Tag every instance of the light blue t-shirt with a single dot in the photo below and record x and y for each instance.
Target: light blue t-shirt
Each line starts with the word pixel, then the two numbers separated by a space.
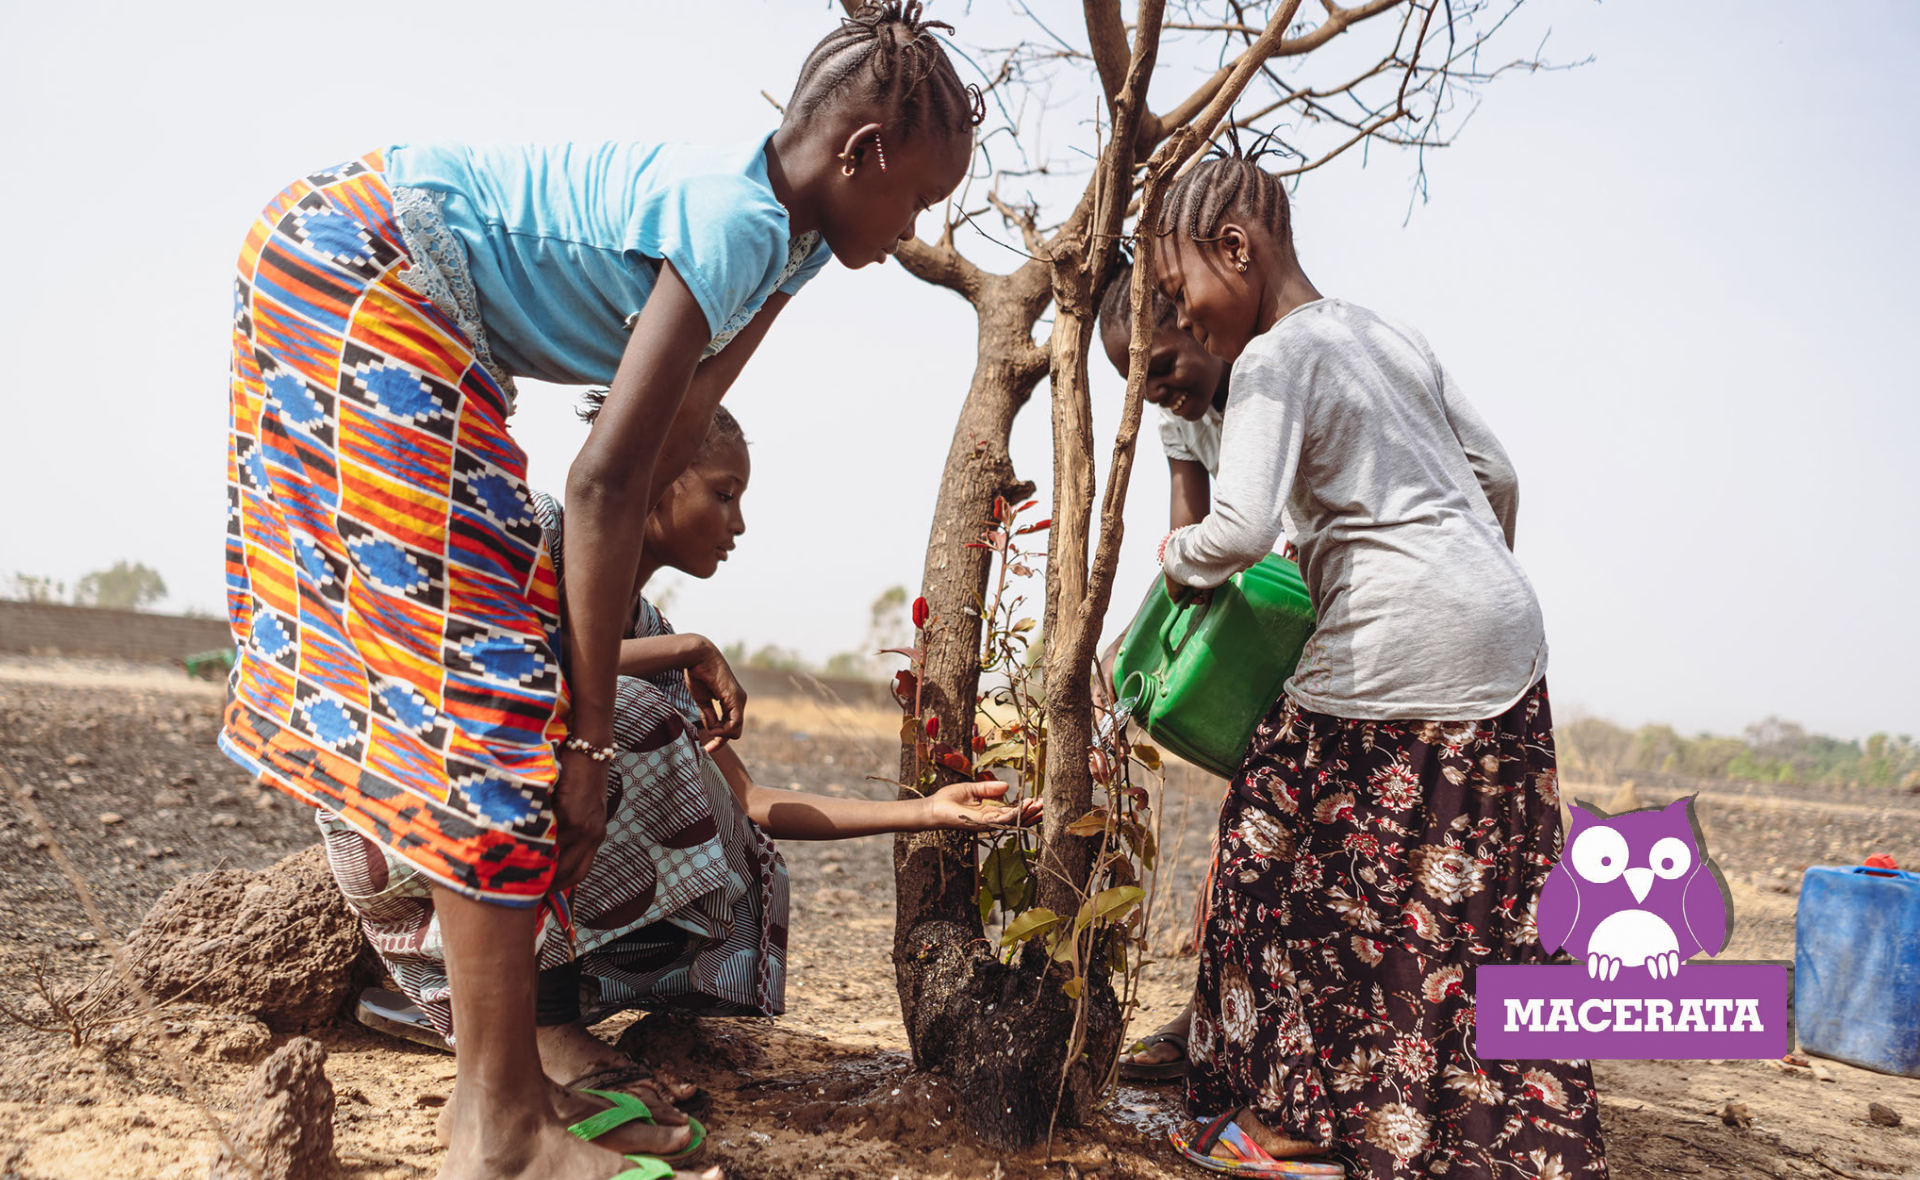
pixel 563 241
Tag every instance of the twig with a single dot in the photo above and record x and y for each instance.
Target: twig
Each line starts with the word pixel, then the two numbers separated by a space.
pixel 183 1077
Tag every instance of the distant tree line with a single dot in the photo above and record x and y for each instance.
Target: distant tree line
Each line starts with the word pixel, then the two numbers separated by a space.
pixel 126 586
pixel 1774 751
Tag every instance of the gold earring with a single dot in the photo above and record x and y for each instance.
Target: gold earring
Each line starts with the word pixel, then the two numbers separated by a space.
pixel 1240 264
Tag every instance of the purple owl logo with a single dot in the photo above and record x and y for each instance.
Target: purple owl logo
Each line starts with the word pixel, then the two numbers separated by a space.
pixel 1635 890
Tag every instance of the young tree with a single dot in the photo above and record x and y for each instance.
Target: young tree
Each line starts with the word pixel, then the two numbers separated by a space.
pixel 124 587
pixel 1024 1054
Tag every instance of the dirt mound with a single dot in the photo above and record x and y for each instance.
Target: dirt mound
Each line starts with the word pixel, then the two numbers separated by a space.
pixel 279 945
pixel 285 1125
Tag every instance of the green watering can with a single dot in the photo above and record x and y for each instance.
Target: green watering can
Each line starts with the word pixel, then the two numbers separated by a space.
pixel 1201 671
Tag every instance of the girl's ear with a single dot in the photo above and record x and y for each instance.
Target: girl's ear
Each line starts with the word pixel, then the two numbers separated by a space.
pixel 852 153
pixel 1235 244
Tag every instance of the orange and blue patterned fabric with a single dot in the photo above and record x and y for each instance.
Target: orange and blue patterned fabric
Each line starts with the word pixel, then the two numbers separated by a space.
pixel 394 606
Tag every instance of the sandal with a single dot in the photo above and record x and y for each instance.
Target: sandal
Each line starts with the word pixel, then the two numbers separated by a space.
pixel 394 1014
pixel 1222 1146
pixel 624 1109
pixel 615 1076
pixel 645 1167
pixel 1159 1071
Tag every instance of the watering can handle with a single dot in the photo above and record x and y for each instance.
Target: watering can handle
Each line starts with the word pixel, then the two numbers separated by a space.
pixel 1184 602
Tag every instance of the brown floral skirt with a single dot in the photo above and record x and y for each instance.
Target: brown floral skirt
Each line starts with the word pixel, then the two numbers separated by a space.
pixel 1364 870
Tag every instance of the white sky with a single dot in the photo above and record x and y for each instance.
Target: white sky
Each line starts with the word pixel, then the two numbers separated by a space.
pixel 1675 282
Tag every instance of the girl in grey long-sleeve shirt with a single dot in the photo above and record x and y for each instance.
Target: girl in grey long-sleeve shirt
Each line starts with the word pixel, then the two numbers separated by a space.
pixel 1397 812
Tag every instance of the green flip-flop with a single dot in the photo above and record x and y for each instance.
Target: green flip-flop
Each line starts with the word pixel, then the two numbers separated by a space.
pixel 626 1109
pixel 645 1167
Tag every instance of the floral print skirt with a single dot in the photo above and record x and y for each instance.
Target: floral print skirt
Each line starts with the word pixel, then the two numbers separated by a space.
pixel 1364 870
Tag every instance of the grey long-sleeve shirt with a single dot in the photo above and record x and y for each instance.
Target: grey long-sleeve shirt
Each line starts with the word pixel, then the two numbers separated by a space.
pixel 1343 430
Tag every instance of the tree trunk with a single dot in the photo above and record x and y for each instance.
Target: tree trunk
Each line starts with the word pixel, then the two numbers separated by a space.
pixel 967 1014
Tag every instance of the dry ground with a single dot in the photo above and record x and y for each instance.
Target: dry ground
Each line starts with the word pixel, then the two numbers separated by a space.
pixel 122 760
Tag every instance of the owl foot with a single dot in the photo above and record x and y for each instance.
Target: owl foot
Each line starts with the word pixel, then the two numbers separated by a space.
pixel 1604 967
pixel 1664 966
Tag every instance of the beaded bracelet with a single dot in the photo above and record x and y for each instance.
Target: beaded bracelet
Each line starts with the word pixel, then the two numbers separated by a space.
pixel 583 746
pixel 1160 554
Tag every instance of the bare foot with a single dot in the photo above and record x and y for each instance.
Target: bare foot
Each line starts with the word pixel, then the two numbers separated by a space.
pixel 570 1053
pixel 1272 1142
pixel 1164 1052
pixel 532 1148
pixel 571 1106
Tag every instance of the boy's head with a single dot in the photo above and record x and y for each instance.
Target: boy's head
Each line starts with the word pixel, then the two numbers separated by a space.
pixel 693 527
pixel 882 97
pixel 1226 242
pixel 1182 378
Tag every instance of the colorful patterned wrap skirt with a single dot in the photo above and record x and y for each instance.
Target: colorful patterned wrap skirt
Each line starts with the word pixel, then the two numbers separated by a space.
pixel 395 609
pixel 1365 869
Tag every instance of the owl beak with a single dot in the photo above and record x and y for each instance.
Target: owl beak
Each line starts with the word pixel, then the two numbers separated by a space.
pixel 1640 881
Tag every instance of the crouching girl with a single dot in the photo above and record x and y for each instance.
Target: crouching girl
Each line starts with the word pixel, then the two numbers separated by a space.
pixel 685 905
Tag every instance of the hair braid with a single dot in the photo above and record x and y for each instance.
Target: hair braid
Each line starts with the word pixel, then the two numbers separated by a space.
pixel 1116 306
pixel 1228 186
pixel 885 54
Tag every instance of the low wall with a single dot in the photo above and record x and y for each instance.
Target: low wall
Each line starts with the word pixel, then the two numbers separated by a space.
pixel 33 628
pixel 41 629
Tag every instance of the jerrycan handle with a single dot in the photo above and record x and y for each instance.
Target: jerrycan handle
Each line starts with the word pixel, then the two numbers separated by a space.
pixel 1183 603
pixel 1896 874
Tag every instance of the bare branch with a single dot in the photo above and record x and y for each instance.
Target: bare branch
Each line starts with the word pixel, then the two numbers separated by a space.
pixel 1107 36
pixel 942 265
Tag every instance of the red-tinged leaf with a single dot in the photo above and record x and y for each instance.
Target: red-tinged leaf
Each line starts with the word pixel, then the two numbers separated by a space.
pixel 1027 505
pixel 916 654
pixel 933 727
pixel 1019 570
pixel 957 762
pixel 978 545
pixel 919 613
pixel 979 743
pixel 905 685
pixel 1035 527
pixel 999 507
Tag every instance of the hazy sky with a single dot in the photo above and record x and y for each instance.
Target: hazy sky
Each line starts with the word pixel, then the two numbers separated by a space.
pixel 1675 281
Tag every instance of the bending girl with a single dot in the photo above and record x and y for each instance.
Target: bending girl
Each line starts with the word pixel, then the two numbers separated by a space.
pixel 394 602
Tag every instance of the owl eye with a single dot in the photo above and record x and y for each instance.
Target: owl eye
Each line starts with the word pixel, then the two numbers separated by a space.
pixel 1671 858
pixel 1600 855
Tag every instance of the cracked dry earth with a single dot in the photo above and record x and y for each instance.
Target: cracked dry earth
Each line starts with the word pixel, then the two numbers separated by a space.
pixel 121 760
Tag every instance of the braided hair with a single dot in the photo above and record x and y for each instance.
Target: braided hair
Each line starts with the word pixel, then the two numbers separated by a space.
pixel 725 428
pixel 1226 187
pixel 1116 306
pixel 885 54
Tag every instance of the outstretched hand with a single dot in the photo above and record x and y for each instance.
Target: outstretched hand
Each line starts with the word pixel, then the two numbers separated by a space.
pixel 971 806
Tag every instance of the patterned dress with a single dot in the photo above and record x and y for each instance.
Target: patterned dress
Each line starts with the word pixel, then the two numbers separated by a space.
pixel 685 906
pixel 1365 869
pixel 395 612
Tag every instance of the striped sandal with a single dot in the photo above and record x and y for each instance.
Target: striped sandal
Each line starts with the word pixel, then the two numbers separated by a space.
pixel 1222 1146
pixel 626 1109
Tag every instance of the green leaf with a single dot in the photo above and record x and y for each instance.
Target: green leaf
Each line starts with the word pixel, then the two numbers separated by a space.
pixel 1034 921
pixel 1148 756
pixel 1074 986
pixel 1004 874
pixel 1024 625
pixel 984 899
pixel 1109 905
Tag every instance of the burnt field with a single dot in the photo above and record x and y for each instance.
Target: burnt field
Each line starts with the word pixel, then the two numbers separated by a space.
pixel 122 762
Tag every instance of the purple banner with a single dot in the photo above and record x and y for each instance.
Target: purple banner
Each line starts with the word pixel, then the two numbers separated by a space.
pixel 1704 1011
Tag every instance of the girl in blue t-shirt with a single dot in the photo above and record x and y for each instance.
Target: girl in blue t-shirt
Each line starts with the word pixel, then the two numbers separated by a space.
pixel 399 622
